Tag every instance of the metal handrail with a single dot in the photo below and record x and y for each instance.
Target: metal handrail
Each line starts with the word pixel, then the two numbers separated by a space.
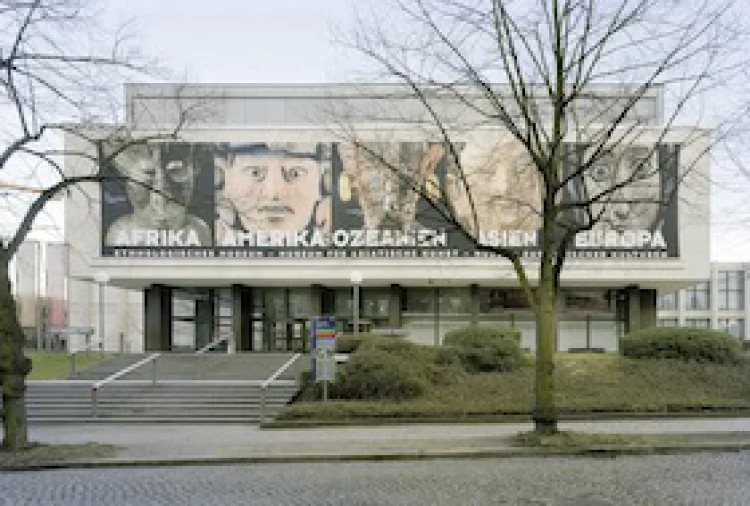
pixel 212 345
pixel 264 386
pixel 72 354
pixel 99 384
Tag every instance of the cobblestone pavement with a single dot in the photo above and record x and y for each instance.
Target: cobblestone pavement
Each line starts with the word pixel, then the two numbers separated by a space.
pixel 710 479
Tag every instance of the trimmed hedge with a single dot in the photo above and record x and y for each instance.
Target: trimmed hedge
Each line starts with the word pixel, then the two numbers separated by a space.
pixel 486 348
pixel 395 369
pixel 377 374
pixel 479 335
pixel 688 344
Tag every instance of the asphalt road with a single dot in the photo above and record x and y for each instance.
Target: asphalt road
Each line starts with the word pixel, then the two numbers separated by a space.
pixel 711 479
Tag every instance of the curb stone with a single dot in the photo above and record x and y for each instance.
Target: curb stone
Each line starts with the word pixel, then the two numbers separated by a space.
pixel 516 452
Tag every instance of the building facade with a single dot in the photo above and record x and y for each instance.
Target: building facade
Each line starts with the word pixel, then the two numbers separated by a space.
pixel 718 302
pixel 39 274
pixel 284 218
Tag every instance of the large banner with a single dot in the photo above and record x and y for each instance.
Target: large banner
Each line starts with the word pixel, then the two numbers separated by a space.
pixel 336 200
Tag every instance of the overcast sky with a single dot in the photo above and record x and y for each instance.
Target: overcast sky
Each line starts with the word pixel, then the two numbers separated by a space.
pixel 242 40
pixel 280 41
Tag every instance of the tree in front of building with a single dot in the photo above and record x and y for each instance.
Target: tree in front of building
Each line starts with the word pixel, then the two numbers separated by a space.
pixel 58 67
pixel 563 97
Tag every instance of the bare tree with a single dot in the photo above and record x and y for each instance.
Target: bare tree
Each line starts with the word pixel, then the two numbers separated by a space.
pixel 60 74
pixel 572 88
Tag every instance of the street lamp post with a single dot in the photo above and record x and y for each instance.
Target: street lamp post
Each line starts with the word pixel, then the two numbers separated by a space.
pixel 356 279
pixel 101 278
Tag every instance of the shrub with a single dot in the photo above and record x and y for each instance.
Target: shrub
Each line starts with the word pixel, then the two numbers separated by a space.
pixel 486 348
pixel 395 345
pixel 689 344
pixel 372 373
pixel 479 335
pixel 349 343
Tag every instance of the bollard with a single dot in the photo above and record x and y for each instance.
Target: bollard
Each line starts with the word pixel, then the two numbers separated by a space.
pixel 262 404
pixel 94 403
pixel 153 371
pixel 72 363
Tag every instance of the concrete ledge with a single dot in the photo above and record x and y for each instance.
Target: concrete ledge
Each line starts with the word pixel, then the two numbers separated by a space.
pixel 510 418
pixel 416 454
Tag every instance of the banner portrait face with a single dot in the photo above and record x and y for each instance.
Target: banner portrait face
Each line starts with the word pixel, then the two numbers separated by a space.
pixel 157 188
pixel 633 206
pixel 272 187
pixel 380 175
pixel 497 183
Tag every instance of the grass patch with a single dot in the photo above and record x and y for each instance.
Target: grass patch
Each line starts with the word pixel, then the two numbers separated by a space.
pixel 586 384
pixel 580 440
pixel 38 454
pixel 49 365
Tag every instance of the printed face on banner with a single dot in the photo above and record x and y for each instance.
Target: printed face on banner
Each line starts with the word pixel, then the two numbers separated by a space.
pixel 497 189
pixel 159 182
pixel 272 187
pixel 380 175
pixel 634 206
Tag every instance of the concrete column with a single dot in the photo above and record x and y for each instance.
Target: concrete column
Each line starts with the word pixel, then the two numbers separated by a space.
pixel 240 336
pixel 204 320
pixel 157 318
pixel 316 300
pixel 328 302
pixel 632 309
pixel 713 292
pixel 474 304
pixel 394 307
pixel 648 308
pixel 436 313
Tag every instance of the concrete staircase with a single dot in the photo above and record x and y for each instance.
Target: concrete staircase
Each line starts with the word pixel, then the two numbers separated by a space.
pixel 212 389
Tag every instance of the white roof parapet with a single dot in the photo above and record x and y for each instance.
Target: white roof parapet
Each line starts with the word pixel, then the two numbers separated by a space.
pixel 243 105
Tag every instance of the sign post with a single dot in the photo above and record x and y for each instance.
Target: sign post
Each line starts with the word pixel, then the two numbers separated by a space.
pixel 323 330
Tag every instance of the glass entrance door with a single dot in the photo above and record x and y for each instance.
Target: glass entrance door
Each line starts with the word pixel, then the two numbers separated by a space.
pixel 280 319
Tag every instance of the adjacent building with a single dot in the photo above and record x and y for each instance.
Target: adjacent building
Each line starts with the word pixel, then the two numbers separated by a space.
pixel 286 218
pixel 717 302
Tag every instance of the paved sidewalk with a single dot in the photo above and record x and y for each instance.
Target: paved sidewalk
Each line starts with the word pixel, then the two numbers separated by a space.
pixel 226 443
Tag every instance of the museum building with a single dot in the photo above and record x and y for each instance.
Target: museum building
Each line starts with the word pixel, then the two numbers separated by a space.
pixel 286 220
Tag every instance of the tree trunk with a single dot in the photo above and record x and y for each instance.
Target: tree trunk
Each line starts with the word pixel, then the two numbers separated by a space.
pixel 14 367
pixel 545 412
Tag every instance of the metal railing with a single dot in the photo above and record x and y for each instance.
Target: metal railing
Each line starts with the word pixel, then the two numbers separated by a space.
pixel 264 386
pixel 86 349
pixel 212 345
pixel 99 384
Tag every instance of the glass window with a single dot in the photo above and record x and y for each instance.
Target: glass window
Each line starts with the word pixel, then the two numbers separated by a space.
pixel 734 326
pixel 731 290
pixel 700 323
pixel 300 303
pixel 419 300
pixel 590 301
pixel 667 301
pixel 698 296
pixel 455 300
pixel 667 322
pixel 343 303
pixel 497 299
pixel 275 300
pixel 375 303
